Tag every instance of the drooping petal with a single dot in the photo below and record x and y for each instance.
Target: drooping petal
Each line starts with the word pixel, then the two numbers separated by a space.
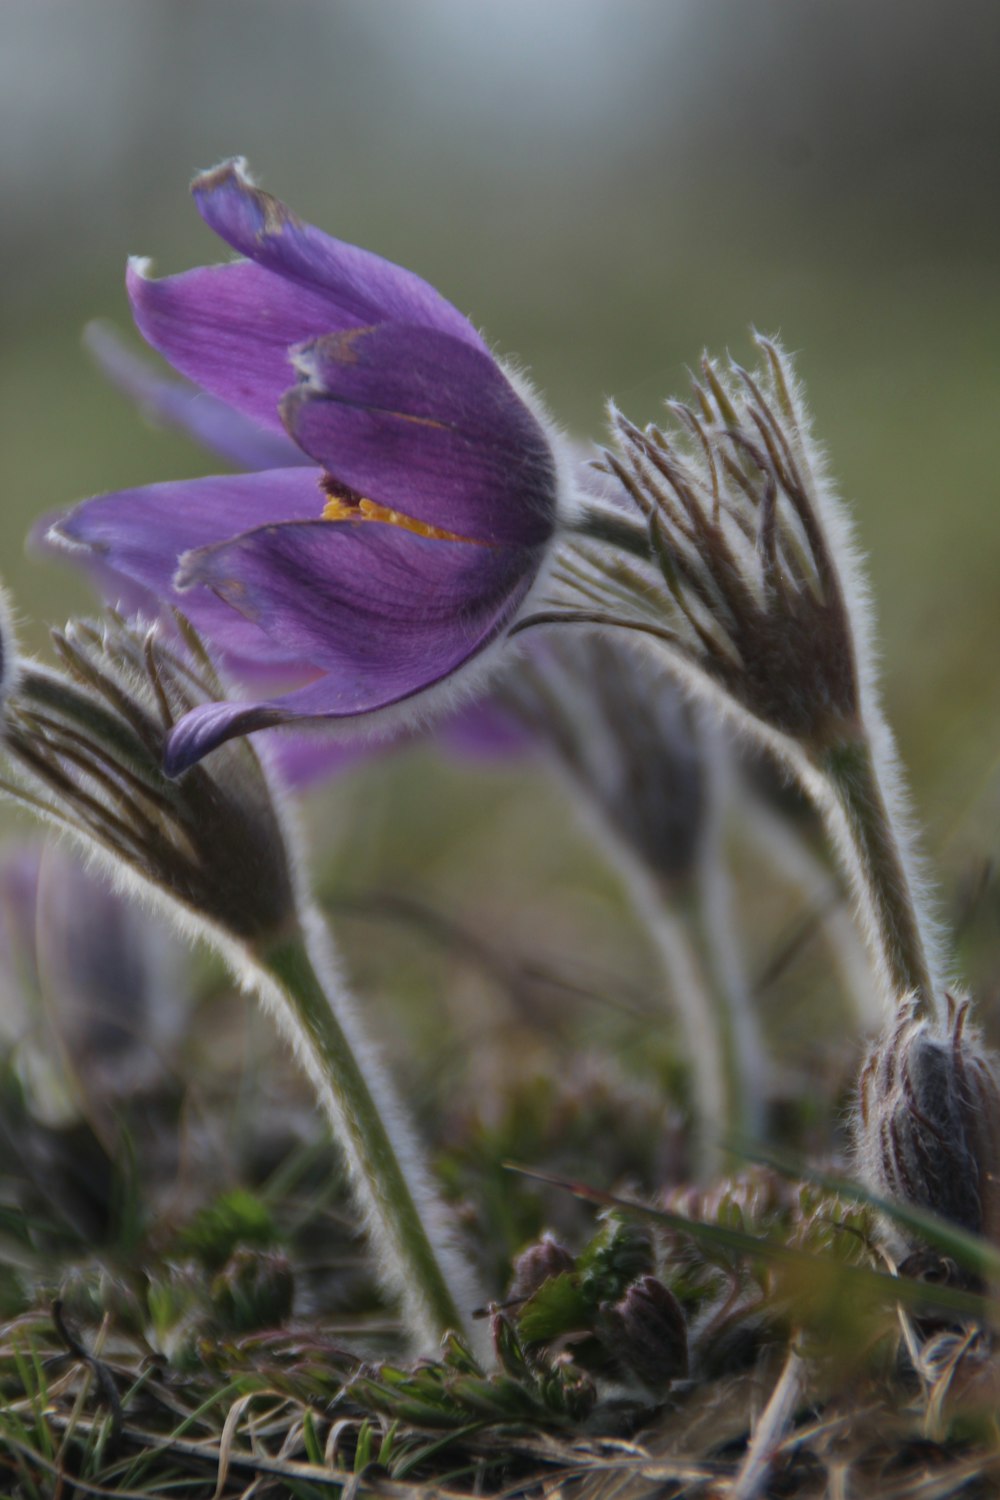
pixel 374 605
pixel 362 286
pixel 304 757
pixel 229 328
pixel 176 403
pixel 138 535
pixel 420 423
pixel 384 612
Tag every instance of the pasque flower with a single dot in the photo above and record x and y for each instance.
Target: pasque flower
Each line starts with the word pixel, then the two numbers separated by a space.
pixel 414 484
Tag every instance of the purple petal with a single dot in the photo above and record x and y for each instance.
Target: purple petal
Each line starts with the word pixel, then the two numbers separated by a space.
pixel 303 759
pixel 367 602
pixel 486 731
pixel 229 328
pixel 384 612
pixel 138 535
pixel 421 423
pixel 175 403
pixel 45 540
pixel 364 287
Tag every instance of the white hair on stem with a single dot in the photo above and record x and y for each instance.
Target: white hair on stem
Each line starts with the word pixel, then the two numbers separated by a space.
pixel 222 857
pixel 687 913
pixel 754 592
pixel 255 980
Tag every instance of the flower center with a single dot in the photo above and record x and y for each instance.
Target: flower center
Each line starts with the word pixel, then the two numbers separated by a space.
pixel 345 504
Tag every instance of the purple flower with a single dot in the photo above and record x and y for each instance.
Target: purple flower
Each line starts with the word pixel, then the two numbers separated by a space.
pixel 102 974
pixel 414 488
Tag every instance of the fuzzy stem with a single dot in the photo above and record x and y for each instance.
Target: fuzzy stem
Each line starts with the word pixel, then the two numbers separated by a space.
pixel 711 920
pixel 688 992
pixel 726 1063
pixel 890 905
pixel 392 1188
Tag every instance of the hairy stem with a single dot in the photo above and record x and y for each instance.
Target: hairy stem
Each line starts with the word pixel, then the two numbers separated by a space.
pixel 403 1218
pixel 687 993
pixel 707 906
pixel 898 929
pixel 726 1062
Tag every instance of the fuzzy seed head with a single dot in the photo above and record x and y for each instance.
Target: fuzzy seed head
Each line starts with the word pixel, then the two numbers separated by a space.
pixel 743 577
pixel 87 745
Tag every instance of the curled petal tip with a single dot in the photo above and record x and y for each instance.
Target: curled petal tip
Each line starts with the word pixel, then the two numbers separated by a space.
pixel 186 575
pixel 205 728
pixel 183 748
pixel 234 206
pixel 303 359
pixel 56 535
pixel 233 169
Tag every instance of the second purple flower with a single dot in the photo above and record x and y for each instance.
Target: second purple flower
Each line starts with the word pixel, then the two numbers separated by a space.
pixel 412 492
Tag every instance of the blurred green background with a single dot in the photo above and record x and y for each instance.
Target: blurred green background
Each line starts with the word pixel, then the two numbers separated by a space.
pixel 607 187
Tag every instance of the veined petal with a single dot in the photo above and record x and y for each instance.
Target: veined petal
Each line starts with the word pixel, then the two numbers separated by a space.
pixel 363 286
pixel 175 403
pixel 139 534
pixel 229 328
pixel 384 612
pixel 419 422
pixel 372 605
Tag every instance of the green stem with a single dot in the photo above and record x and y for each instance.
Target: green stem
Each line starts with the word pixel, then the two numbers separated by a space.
pixel 673 915
pixel 741 1054
pixel 706 908
pixel 889 899
pixel 382 1179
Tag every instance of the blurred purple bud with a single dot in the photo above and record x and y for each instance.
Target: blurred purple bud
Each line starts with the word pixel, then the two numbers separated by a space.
pixel 171 402
pixel 99 973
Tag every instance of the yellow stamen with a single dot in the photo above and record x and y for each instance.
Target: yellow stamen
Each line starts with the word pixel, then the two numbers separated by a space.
pixel 338 508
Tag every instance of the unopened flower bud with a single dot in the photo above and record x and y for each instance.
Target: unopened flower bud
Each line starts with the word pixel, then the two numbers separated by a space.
pixel 537 1263
pixel 648 1334
pixel 928 1126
